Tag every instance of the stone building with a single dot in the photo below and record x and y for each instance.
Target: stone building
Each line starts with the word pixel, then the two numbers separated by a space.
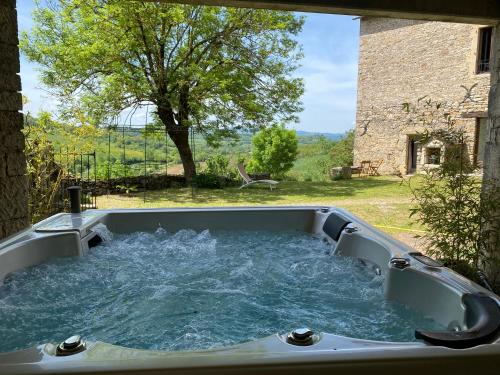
pixel 402 61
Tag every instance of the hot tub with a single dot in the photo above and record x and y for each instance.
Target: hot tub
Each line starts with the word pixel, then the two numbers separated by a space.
pixel 468 340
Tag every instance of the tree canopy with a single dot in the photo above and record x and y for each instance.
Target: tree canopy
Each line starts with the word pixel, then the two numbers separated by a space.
pixel 274 150
pixel 221 70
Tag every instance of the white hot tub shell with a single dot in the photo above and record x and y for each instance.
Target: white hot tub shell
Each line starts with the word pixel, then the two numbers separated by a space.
pixel 472 314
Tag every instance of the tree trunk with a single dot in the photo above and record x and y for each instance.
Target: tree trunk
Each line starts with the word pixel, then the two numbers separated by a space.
pixel 180 136
pixel 181 141
pixel 491 178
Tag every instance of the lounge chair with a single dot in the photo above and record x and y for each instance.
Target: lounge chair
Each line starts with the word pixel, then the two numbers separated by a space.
pixel 247 180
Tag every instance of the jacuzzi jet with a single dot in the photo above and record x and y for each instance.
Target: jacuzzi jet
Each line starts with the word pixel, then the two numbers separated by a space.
pixel 95 241
pixel 350 229
pixel 70 346
pixel 301 337
pixel 400 263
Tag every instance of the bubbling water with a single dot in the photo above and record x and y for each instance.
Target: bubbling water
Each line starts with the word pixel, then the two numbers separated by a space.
pixel 102 231
pixel 189 290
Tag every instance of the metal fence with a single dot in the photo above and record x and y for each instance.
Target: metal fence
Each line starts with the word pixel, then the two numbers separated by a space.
pixel 123 152
pixel 76 169
pixel 134 151
pixel 131 159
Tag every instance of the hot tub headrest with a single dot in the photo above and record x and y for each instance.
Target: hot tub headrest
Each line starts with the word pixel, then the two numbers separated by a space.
pixel 334 225
pixel 482 316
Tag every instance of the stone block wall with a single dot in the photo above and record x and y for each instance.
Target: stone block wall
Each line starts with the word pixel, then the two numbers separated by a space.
pixel 13 183
pixel 402 61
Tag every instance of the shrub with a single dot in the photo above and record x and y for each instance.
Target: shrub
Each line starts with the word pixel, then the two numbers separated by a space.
pixel 274 151
pixel 208 181
pixel 44 174
pixel 342 152
pixel 217 169
pixel 218 165
pixel 451 205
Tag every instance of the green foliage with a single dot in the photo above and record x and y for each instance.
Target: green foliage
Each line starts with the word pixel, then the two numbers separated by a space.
pixel 117 170
pixel 316 159
pixel 274 151
pixel 44 175
pixel 342 151
pixel 222 70
pixel 454 211
pixel 218 165
pixel 126 151
pixel 449 200
pixel 313 161
pixel 208 181
pixel 218 173
pixel 449 207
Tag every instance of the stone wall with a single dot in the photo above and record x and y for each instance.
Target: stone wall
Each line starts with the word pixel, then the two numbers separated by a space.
pixel 402 61
pixel 13 185
pixel 120 185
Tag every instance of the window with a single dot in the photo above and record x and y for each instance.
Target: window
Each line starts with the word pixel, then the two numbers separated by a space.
pixel 484 50
pixel 433 155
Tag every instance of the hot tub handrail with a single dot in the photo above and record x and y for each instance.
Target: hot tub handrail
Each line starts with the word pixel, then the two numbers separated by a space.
pixel 482 316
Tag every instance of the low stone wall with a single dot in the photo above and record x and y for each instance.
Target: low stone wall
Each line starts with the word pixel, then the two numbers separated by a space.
pixel 137 183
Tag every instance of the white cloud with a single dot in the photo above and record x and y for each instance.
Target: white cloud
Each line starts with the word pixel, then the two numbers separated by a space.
pixel 325 77
pixel 330 95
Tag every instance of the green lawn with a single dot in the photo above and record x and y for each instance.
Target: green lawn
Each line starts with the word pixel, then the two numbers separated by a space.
pixel 382 201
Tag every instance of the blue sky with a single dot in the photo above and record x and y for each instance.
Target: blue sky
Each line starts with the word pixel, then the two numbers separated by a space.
pixel 329 69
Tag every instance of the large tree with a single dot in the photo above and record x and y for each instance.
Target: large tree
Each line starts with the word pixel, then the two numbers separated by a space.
pixel 221 70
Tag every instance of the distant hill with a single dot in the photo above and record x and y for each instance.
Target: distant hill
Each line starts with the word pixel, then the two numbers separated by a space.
pixel 330 136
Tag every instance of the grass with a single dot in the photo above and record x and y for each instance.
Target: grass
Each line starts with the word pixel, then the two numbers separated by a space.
pixel 382 201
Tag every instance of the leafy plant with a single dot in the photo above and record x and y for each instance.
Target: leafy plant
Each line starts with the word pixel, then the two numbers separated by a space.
pixel 44 174
pixel 342 152
pixel 449 200
pixel 274 151
pixel 208 181
pixel 217 174
pixel 449 206
pixel 218 165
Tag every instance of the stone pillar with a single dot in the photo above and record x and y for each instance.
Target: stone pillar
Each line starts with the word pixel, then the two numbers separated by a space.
pixel 491 177
pixel 13 183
